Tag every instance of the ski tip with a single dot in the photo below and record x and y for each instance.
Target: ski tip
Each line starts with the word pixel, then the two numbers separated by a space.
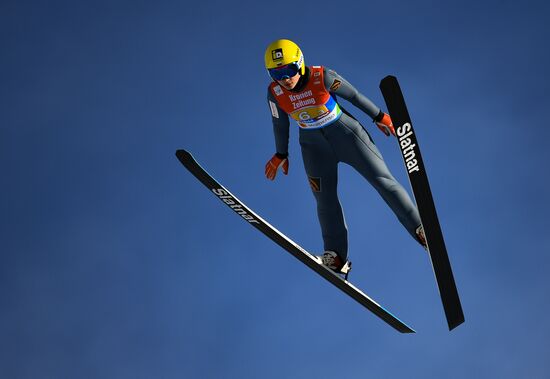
pixel 388 79
pixel 183 155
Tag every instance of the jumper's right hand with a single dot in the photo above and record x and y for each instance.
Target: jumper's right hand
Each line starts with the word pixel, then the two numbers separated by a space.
pixel 273 165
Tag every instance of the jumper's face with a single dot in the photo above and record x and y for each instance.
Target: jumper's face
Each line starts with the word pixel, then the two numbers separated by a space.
pixel 289 83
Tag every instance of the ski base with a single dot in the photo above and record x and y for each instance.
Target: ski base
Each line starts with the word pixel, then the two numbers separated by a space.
pixel 418 178
pixel 312 261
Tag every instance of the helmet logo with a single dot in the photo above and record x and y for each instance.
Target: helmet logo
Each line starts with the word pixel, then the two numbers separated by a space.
pixel 277 54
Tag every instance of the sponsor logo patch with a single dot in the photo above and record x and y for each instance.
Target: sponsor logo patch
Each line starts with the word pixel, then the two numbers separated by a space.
pixel 278 91
pixel 335 85
pixel 277 54
pixel 315 184
pixel 274 111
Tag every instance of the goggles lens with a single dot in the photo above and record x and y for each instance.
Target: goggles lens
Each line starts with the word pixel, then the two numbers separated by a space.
pixel 284 72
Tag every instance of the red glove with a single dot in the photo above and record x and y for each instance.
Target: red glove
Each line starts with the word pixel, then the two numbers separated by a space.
pixel 273 165
pixel 386 125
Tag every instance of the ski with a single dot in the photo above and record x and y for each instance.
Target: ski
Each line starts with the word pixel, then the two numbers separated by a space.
pixel 286 243
pixel 408 145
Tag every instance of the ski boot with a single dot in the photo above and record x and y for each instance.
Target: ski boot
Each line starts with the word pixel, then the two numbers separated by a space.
pixel 332 261
pixel 421 237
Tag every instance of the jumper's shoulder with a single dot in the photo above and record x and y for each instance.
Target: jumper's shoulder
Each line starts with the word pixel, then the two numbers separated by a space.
pixel 332 79
pixel 329 71
pixel 270 94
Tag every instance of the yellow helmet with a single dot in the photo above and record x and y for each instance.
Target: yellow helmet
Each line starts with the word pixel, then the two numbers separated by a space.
pixel 283 52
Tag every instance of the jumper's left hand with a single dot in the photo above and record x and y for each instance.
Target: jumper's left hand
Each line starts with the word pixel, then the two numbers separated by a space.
pixel 386 125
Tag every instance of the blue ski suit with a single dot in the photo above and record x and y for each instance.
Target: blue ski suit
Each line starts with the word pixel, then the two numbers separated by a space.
pixel 341 139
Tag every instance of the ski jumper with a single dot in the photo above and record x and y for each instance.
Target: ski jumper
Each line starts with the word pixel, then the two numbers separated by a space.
pixel 329 135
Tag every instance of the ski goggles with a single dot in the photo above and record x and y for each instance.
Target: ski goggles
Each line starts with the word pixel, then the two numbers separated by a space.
pixel 284 72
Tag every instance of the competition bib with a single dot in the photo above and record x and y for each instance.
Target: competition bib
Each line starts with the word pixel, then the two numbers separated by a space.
pixel 313 107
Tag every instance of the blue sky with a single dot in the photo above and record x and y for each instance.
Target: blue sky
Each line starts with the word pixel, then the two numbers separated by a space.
pixel 116 263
